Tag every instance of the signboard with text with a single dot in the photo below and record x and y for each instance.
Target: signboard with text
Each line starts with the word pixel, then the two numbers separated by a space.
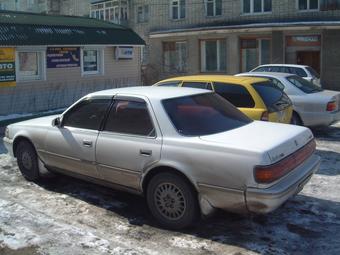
pixel 63 57
pixel 124 53
pixel 7 67
pixel 303 40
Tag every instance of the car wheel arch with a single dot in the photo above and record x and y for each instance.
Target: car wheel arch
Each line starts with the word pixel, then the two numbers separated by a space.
pixel 296 113
pixel 19 139
pixel 165 169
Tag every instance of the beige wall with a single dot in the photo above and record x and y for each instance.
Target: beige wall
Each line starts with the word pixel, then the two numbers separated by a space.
pixel 65 85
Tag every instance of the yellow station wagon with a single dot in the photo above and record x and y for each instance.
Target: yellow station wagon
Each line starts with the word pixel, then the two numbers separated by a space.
pixel 258 98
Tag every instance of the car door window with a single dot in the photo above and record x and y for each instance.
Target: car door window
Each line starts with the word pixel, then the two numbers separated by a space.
pixel 198 85
pixel 130 117
pixel 87 114
pixel 235 94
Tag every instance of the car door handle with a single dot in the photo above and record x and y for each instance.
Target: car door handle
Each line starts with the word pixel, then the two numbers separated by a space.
pixel 146 153
pixel 87 143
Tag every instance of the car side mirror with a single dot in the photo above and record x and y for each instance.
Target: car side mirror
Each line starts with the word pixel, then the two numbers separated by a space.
pixel 56 122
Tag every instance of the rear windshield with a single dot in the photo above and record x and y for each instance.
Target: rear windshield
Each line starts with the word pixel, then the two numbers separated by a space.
pixel 273 97
pixel 304 85
pixel 313 72
pixel 203 114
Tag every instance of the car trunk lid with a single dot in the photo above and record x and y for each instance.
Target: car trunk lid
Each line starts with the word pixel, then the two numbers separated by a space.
pixel 277 140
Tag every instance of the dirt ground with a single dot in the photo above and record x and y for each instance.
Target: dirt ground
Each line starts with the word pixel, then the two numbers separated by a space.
pixel 62 215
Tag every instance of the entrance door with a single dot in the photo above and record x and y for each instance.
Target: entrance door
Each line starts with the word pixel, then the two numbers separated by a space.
pixel 309 58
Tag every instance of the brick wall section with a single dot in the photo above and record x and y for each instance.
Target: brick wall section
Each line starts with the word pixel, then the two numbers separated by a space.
pixel 64 86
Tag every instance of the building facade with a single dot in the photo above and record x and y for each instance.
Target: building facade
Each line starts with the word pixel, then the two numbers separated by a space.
pixel 232 36
pixel 56 7
pixel 48 62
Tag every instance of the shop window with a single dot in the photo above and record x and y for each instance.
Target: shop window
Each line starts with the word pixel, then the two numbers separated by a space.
pixel 92 61
pixel 257 6
pixel 255 52
pixel 177 9
pixel 174 57
pixel 327 5
pixel 31 65
pixel 213 8
pixel 142 13
pixel 308 5
pixel 213 56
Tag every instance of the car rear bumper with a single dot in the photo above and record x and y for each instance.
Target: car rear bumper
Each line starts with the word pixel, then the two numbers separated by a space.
pixel 8 143
pixel 320 119
pixel 267 200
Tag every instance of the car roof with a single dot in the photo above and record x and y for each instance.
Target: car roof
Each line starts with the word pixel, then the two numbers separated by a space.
pixel 269 74
pixel 216 78
pixel 287 65
pixel 150 92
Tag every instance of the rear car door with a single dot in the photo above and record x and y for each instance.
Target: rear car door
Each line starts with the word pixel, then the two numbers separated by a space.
pixel 72 146
pixel 129 142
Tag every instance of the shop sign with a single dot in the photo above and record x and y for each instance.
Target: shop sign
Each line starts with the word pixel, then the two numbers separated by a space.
pixel 303 40
pixel 63 57
pixel 124 53
pixel 7 67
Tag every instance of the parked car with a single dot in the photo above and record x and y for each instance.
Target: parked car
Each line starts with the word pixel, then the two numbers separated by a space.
pixel 313 106
pixel 257 98
pixel 188 151
pixel 306 72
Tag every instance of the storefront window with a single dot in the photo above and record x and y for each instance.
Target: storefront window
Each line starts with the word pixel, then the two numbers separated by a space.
pixel 213 56
pixel 31 65
pixel 174 57
pixel 255 52
pixel 91 61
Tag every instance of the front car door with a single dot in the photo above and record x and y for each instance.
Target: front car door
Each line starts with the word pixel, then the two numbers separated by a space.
pixel 129 142
pixel 72 146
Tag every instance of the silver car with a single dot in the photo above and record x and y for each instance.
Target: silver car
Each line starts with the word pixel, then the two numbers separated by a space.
pixel 306 72
pixel 188 151
pixel 313 106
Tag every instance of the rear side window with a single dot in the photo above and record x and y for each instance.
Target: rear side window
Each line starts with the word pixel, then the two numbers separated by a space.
pixel 130 117
pixel 169 84
pixel 235 94
pixel 87 114
pixel 198 85
pixel 274 98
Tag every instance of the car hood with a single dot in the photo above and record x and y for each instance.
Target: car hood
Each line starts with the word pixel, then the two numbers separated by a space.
pixel 277 140
pixel 42 121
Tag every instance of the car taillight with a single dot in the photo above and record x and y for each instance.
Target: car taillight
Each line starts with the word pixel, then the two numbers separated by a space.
pixel 331 106
pixel 271 173
pixel 265 116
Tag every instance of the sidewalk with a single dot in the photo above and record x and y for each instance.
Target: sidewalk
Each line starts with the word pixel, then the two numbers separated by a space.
pixel 9 119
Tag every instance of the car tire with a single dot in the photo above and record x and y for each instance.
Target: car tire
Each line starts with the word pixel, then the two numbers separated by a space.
pixel 27 161
pixel 296 120
pixel 172 201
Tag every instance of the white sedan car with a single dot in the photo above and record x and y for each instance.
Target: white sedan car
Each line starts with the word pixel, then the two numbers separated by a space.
pixel 188 151
pixel 313 106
